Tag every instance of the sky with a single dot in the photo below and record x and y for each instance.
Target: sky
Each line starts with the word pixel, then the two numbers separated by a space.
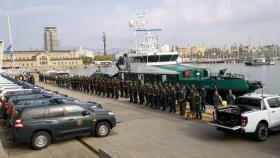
pixel 215 23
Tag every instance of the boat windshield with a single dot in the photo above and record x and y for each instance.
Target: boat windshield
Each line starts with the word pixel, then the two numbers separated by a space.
pixel 154 58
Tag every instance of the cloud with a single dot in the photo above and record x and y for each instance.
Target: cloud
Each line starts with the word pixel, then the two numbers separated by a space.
pixel 213 22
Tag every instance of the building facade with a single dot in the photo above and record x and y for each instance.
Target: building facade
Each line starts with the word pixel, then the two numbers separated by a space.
pixel 51 41
pixel 43 59
pixel 192 51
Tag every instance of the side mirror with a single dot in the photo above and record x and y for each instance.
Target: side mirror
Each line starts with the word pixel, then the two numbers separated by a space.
pixel 84 113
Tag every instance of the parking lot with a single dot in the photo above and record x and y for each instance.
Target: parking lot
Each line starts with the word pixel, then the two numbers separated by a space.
pixel 145 132
pixel 18 99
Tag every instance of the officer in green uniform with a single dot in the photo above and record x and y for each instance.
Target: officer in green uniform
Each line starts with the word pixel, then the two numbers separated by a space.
pixel 78 83
pixel 135 93
pixel 168 96
pixel 203 99
pixel 88 84
pixel 125 88
pixel 156 97
pixel 230 98
pixel 172 100
pixel 91 85
pixel 146 93
pixel 104 87
pixel 107 86
pixel 198 108
pixel 112 89
pixel 96 84
pixel 141 94
pixel 163 98
pixel 100 85
pixel 177 89
pixel 130 91
pixel 121 88
pixel 191 100
pixel 116 89
pixel 217 100
pixel 182 102
pixel 150 95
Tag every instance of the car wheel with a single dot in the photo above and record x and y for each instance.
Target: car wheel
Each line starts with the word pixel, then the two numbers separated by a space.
pixel 102 129
pixel 261 132
pixel 99 106
pixel 40 140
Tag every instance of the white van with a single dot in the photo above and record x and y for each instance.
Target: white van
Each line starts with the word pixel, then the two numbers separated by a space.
pixel 10 87
pixel 15 92
pixel 7 84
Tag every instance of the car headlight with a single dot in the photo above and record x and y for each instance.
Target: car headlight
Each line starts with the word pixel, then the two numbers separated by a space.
pixel 111 113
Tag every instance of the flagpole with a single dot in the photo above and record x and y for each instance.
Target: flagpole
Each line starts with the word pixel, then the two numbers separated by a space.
pixel 11 41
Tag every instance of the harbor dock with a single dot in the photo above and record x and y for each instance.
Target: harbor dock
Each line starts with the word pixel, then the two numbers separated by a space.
pixel 143 132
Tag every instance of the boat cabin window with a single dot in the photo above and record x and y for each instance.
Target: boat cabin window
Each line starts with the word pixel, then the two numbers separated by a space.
pixel 140 59
pixel 165 58
pixel 154 58
pixel 174 57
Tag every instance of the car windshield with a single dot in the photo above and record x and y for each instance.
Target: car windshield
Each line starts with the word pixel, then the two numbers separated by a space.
pixel 91 108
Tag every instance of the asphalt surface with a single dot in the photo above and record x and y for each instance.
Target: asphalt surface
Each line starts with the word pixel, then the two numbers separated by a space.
pixel 144 132
pixel 62 149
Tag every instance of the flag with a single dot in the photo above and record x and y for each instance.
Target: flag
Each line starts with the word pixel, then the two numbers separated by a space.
pixel 10 48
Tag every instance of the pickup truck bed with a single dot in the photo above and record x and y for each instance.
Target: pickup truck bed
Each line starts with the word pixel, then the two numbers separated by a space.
pixel 252 113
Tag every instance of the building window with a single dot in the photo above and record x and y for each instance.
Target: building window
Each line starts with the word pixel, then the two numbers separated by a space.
pixel 43 61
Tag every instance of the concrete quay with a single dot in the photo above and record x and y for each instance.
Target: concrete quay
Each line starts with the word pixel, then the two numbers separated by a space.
pixel 144 132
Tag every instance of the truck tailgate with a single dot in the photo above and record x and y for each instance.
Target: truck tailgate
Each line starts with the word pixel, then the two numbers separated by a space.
pixel 225 127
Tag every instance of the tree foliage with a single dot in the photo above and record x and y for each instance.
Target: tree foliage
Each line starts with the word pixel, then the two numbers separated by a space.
pixel 103 57
pixel 87 60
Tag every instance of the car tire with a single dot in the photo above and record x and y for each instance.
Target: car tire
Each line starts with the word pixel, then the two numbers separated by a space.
pixel 102 129
pixel 40 140
pixel 99 106
pixel 261 132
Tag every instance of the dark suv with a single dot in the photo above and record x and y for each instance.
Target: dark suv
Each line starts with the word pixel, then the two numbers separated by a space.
pixel 38 125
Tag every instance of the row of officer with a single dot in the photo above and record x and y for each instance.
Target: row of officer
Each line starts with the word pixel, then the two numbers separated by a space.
pixel 157 96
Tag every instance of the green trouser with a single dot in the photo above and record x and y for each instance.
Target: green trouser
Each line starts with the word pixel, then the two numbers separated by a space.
pixel 182 106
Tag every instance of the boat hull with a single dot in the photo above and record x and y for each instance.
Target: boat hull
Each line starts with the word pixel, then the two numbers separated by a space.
pixel 239 86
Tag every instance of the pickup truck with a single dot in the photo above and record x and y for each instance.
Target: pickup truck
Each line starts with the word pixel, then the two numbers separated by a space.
pixel 255 114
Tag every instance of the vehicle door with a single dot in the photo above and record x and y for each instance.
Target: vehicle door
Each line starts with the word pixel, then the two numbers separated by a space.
pixel 77 121
pixel 56 120
pixel 33 118
pixel 274 112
